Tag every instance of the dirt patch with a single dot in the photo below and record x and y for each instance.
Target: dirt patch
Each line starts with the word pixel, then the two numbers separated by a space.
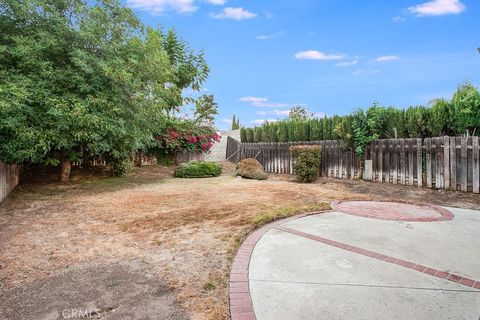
pixel 185 231
pixel 121 291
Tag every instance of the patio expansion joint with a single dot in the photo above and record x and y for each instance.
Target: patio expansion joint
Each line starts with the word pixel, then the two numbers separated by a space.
pixel 362 285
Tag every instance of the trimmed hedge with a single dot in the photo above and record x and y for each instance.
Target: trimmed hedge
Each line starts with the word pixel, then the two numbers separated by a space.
pixel 307 164
pixel 198 169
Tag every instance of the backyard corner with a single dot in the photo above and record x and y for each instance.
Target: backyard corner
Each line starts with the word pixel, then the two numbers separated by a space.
pixel 151 239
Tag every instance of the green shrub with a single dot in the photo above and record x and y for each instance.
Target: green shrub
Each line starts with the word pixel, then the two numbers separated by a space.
pixel 251 169
pixel 121 167
pixel 307 165
pixel 198 169
pixel 165 159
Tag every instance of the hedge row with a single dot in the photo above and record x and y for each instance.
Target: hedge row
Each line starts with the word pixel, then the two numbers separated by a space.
pixel 458 116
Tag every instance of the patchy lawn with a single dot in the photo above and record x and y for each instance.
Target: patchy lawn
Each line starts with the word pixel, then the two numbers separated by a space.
pixel 150 246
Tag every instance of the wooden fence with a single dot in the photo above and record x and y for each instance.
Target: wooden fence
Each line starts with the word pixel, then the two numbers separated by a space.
pixel 276 157
pixel 450 163
pixel 9 178
pixel 140 159
pixel 397 161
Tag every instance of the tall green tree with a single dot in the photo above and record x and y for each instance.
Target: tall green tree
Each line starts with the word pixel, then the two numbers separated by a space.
pixel 206 109
pixel 299 112
pixel 466 106
pixel 235 123
pixel 80 76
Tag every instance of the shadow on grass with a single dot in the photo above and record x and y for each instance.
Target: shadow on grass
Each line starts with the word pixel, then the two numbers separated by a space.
pixel 42 185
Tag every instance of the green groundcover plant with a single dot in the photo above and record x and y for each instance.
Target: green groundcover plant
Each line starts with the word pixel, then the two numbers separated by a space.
pixel 198 169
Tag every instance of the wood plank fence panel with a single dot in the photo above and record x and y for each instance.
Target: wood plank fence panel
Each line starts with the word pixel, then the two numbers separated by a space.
pixel 394 161
pixel 475 165
pixel 451 163
pixel 428 161
pixel 446 162
pixel 463 156
pixel 9 178
pixel 419 163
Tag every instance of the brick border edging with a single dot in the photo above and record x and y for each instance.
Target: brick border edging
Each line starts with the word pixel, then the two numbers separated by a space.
pixel 389 259
pixel 240 300
pixel 445 215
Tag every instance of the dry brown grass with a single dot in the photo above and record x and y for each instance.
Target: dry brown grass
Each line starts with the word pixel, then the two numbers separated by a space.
pixel 187 230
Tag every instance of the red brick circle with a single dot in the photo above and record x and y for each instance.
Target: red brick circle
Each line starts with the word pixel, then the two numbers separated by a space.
pixel 240 301
pixel 393 210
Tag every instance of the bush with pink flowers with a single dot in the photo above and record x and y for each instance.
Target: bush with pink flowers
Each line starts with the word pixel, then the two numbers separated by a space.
pixel 185 135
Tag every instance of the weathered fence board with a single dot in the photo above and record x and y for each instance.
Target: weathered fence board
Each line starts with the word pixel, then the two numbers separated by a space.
pixel 9 178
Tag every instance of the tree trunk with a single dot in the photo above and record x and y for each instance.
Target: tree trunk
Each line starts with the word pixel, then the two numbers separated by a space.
pixel 65 168
pixel 139 159
pixel 85 159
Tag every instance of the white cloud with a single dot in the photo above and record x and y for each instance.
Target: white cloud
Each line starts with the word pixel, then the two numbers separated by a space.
pixel 227 121
pixel 367 72
pixel 275 112
pixel 269 36
pixel 217 2
pixel 161 6
pixel 346 63
pixel 262 102
pixel 258 122
pixel 399 19
pixel 437 8
pixel 234 13
pixel 253 99
pixel 317 55
pixel 387 58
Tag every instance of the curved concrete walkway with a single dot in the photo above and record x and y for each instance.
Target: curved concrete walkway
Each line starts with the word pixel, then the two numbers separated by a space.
pixel 342 266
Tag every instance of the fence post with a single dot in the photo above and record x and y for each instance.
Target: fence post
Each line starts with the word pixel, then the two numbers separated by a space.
pixel 446 162
pixel 464 162
pixel 419 163
pixel 476 165
pixel 428 162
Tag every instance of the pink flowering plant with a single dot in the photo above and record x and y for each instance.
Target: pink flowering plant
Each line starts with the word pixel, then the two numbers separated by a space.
pixel 187 136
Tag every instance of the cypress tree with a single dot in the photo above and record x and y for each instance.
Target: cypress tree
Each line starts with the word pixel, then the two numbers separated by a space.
pixel 249 135
pixel 282 131
pixel 243 135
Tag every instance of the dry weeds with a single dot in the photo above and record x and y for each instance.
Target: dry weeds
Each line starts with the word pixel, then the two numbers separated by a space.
pixel 187 230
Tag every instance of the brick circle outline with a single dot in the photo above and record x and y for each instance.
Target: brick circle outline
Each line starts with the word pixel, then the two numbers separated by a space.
pixel 445 215
pixel 239 297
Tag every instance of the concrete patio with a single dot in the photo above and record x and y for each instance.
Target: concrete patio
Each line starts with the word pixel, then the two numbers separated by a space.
pixel 341 266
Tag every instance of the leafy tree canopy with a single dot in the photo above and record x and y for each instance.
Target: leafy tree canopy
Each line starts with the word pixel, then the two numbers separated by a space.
pixel 299 112
pixel 82 76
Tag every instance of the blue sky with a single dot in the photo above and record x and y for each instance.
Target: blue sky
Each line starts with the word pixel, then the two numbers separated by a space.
pixel 330 55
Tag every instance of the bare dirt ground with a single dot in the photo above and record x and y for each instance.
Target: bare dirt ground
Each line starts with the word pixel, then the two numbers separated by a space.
pixel 150 246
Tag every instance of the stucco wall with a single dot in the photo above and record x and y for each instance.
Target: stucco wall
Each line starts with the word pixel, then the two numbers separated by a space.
pixel 219 149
